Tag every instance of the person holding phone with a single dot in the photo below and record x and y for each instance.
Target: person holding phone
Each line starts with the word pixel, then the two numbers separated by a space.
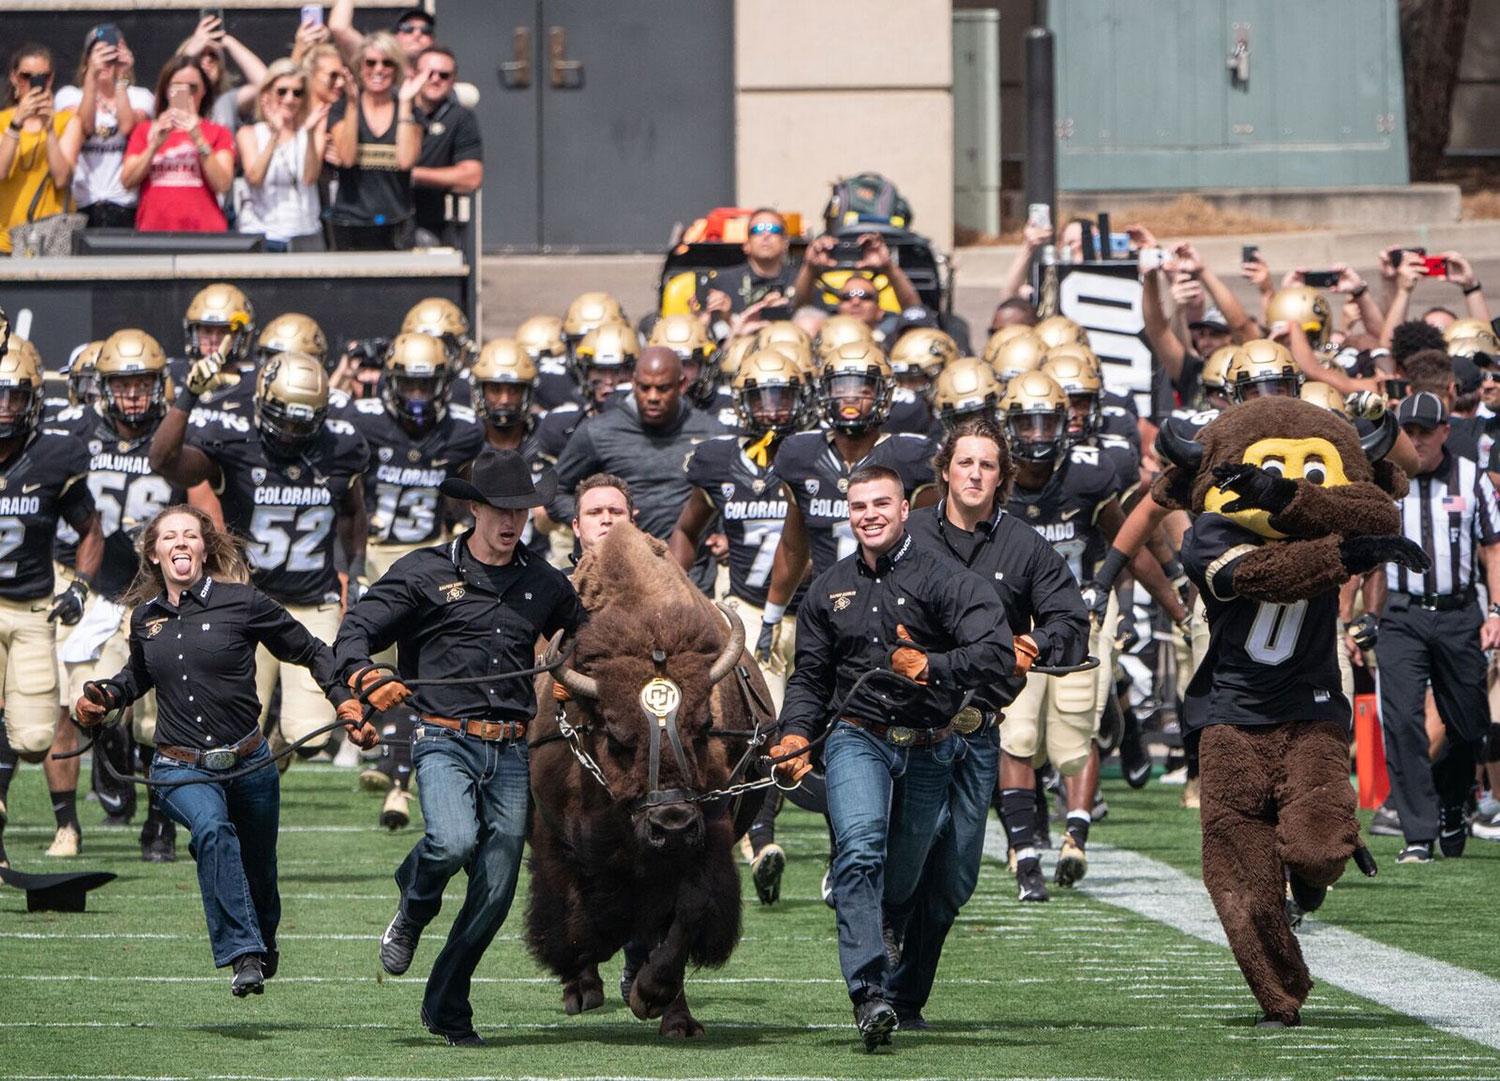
pixel 109 107
pixel 180 162
pixel 283 156
pixel 38 144
pixel 211 45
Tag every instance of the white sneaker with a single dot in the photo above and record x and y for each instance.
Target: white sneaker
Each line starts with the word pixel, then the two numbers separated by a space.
pixel 66 843
pixel 1486 829
pixel 347 756
pixel 1176 776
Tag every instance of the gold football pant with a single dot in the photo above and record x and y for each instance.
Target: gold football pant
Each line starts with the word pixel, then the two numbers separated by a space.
pixel 28 660
pixel 780 667
pixel 303 706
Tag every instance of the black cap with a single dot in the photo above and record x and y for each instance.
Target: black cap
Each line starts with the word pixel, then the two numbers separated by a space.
pixel 1212 319
pixel 417 12
pixel 502 479
pixel 1466 375
pixel 1424 409
pixel 62 892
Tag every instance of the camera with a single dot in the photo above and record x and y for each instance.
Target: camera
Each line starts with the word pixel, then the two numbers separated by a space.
pixel 1321 279
pixel 369 352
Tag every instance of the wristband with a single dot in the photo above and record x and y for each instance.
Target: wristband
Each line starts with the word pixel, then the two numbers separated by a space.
pixel 772 613
pixel 1470 289
pixel 1495 611
pixel 1109 569
pixel 186 399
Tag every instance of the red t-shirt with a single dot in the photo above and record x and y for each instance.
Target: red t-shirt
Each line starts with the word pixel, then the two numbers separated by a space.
pixel 175 196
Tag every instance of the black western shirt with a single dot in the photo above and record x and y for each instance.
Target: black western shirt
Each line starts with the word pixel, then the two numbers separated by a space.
pixel 1031 579
pixel 450 616
pixel 199 655
pixel 847 626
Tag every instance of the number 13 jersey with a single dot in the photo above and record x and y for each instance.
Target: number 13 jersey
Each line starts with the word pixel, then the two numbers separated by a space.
pixel 401 486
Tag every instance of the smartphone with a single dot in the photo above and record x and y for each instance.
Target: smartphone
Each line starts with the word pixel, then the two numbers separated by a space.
pixel 1039 215
pixel 108 33
pixel 1395 254
pixel 1434 266
pixel 848 251
pixel 312 13
pixel 1250 253
pixel 38 82
pixel 180 97
pixel 1321 279
pixel 1119 245
pixel 212 13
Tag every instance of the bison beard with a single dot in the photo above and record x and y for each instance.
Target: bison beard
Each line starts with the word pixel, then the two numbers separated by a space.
pixel 607 872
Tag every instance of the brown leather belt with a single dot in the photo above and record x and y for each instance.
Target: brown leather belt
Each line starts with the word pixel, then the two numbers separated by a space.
pixel 487 730
pixel 217 759
pixel 900 735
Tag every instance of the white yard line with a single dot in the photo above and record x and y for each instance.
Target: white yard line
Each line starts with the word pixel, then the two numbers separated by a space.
pixel 1450 999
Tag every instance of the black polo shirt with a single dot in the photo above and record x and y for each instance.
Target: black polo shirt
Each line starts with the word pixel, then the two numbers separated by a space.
pixel 450 134
pixel 847 626
pixel 448 616
pixel 199 655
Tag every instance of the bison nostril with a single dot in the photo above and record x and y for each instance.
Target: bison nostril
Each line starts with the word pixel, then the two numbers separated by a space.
pixel 673 817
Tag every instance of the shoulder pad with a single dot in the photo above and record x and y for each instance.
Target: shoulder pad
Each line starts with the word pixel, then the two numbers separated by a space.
pixel 565 407
pixel 462 413
pixel 903 395
pixel 372 406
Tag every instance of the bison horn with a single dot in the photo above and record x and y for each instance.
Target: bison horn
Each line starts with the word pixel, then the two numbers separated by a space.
pixel 1182 451
pixel 1378 441
pixel 730 655
pixel 578 684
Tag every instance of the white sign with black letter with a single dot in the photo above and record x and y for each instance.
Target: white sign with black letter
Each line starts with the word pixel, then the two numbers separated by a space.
pixel 1105 298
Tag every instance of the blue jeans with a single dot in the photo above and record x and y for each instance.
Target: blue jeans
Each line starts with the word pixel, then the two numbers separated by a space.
pixel 474 801
pixel 234 845
pixel 950 875
pixel 886 803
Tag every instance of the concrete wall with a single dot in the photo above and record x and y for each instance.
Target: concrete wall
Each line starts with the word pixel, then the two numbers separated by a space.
pixel 826 90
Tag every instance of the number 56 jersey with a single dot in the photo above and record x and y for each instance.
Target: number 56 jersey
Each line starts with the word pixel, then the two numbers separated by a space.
pixel 1266 663
pixel 285 507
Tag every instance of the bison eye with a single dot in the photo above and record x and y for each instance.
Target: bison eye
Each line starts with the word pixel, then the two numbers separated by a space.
pixel 1274 466
pixel 1314 472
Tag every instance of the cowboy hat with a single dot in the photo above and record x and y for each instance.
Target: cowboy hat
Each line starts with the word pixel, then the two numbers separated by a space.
pixel 502 479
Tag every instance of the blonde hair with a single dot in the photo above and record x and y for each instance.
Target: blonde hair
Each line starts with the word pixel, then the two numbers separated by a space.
pixel 285 68
pixel 385 43
pixel 223 555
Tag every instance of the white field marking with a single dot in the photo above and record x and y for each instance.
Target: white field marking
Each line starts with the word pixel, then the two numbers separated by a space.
pixel 1446 997
pixel 693 981
pixel 521 1077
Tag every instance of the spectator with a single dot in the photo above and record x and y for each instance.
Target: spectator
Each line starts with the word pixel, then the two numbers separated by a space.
pixel 1412 269
pixel 1016 289
pixel 413 30
pixel 875 260
pixel 1013 312
pixel 208 45
pixel 766 268
pixel 38 144
pixel 282 155
pixel 108 109
pixel 860 297
pixel 310 36
pixel 452 156
pixel 376 140
pixel 180 162
pixel 328 75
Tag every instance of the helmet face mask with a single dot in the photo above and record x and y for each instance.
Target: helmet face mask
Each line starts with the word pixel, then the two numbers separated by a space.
pixel 769 393
pixel 220 319
pixel 135 399
pixel 1035 413
pixel 503 378
pixel 83 379
pixel 606 358
pixel 414 385
pixel 19 405
pixel 1262 368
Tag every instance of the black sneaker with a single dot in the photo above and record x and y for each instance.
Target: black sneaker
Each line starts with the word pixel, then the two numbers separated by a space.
pixel 911 1020
pixel 1417 852
pixel 249 978
pixel 876 1019
pixel 627 981
pixel 765 872
pixel 467 1038
pixel 1453 831
pixel 1386 823
pixel 1135 763
pixel 1031 884
pixel 399 944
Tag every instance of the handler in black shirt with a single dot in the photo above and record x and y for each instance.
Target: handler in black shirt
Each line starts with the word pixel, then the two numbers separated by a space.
pixel 471 607
pixel 913 632
pixel 193 634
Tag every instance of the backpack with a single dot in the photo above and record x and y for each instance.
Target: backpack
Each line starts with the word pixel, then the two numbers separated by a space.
pixel 866 197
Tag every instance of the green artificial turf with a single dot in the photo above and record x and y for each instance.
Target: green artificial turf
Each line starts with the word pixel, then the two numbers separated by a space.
pixel 1074 988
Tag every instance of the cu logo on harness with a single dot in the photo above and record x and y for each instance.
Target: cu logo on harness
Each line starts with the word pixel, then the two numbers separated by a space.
pixel 660 699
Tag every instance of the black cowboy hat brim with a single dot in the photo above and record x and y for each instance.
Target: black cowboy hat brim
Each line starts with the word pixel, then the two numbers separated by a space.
pixel 543 489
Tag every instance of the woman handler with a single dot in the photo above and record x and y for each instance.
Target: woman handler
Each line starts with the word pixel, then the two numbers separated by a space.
pixel 193 632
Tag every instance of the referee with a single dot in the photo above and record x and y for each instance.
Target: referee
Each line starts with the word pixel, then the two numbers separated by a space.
pixel 1433 631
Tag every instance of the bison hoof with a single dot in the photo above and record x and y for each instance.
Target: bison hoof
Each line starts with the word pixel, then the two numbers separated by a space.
pixel 679 1024
pixel 586 992
pixel 643 1010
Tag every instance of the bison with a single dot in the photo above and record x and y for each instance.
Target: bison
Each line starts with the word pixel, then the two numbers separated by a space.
pixel 662 698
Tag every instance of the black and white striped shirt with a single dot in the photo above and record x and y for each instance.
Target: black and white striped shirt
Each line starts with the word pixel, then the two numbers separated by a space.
pixel 1447 512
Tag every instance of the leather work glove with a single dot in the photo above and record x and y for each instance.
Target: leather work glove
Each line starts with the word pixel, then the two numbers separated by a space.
pixel 767 641
pixel 1255 488
pixel 907 659
pixel 1365 631
pixel 559 692
pixel 1026 654
pixel 67 606
pixel 793 769
pixel 383 698
pixel 90 709
pixel 361 732
pixel 1360 555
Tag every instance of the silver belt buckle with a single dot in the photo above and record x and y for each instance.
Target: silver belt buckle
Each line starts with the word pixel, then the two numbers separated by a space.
pixel 218 759
pixel 901 736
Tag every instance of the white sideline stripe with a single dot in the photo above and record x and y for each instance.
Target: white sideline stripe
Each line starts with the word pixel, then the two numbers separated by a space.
pixel 550 981
pixel 1446 997
pixel 530 1077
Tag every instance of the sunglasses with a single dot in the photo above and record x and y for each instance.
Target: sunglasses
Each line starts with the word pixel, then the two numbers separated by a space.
pixel 857 294
pixel 414 27
pixel 441 76
pixel 372 64
pixel 762 228
pixel 288 92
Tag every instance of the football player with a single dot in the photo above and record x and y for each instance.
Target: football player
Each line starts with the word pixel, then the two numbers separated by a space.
pixel 445 321
pixel 685 336
pixel 966 388
pixel 505 382
pixel 541 338
pixel 917 359
pixel 220 322
pixel 605 359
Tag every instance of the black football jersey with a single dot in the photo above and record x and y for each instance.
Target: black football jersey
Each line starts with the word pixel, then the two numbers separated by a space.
pixel 285 508
pixel 912 415
pixel 1065 510
pixel 555 385
pixel 751 503
pixel 1266 662
pixel 42 483
pixel 817 477
pixel 722 409
pixel 401 484
pixel 1123 457
pixel 126 493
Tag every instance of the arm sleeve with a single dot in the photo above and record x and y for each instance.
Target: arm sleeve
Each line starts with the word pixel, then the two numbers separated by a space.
pixel 813 680
pixel 985 653
pixel 374 623
pixel 567 616
pixel 135 678
pixel 467 144
pixel 273 627
pixel 1060 623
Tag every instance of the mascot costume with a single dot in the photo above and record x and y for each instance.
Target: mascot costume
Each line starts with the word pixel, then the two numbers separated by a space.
pixel 1290 502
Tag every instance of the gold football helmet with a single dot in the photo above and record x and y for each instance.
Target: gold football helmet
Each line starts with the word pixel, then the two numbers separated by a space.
pixel 1261 368
pixel 502 379
pixel 733 355
pixel 1305 306
pixel 220 319
pixel 125 356
pixel 291 400
pixel 445 321
pixel 20 388
pixel 841 330
pixel 1060 330
pixel 966 387
pixel 588 311
pixel 610 345
pixel 1467 328
pixel 1016 355
pixel 919 355
pixel 1465 337
pixel 1069 369
pixel 414 385
pixel 684 335
pixel 1324 397
pixel 1034 411
pixel 542 336
pixel 83 381
pixel 768 393
pixel 854 388
pixel 792 340
pixel 293 333
pixel 1216 370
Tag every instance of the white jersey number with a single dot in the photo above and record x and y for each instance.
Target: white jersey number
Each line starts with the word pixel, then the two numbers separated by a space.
pixel 285 537
pixel 1273 634
pixel 127 502
pixel 12 533
pixel 407 515
pixel 762 535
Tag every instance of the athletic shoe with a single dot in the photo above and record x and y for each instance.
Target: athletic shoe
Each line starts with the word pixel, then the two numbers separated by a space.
pixel 876 1020
pixel 1101 808
pixel 1419 852
pixel 1453 831
pixel 160 849
pixel 1486 827
pixel 249 978
pixel 347 756
pixel 469 1038
pixel 1174 776
pixel 395 813
pixel 826 889
pixel 399 944
pixel 1135 763
pixel 911 1020
pixel 1072 862
pixel 270 961
pixel 1190 798
pixel 373 779
pixel 765 872
pixel 66 843
pixel 1386 823
pixel 114 821
pixel 1031 884
pixel 1488 807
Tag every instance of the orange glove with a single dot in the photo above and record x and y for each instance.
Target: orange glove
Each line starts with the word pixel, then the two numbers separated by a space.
pixel 911 663
pixel 361 732
pixel 1026 654
pixel 793 769
pixel 90 714
pixel 392 694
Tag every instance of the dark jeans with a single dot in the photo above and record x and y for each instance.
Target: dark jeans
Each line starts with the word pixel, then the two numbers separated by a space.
pixel 886 803
pixel 234 844
pixel 950 874
pixel 109 216
pixel 474 799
